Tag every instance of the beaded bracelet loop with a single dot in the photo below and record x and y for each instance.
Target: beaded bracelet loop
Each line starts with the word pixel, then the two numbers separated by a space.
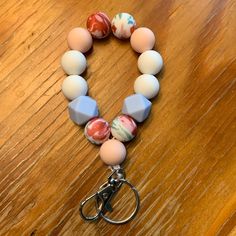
pixel 83 110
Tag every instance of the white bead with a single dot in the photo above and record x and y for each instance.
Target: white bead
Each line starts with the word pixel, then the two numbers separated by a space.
pixel 147 85
pixel 74 86
pixel 150 62
pixel 73 62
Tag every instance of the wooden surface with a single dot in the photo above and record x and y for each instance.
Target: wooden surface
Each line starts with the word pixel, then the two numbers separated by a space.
pixel 183 161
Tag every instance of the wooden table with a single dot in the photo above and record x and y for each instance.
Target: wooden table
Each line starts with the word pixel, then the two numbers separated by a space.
pixel 183 161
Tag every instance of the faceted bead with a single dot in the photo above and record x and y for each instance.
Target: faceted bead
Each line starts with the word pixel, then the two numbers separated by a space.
pixel 97 131
pixel 123 128
pixel 83 109
pixel 112 152
pixel 137 106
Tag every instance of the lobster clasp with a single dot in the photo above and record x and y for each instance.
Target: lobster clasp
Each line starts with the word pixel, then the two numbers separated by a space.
pixel 104 196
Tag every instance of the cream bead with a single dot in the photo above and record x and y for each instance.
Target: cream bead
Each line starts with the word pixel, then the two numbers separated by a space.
pixel 73 62
pixel 74 86
pixel 150 62
pixel 147 85
pixel 112 152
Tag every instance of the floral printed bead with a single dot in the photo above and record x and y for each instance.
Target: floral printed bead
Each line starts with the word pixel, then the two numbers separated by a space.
pixel 123 25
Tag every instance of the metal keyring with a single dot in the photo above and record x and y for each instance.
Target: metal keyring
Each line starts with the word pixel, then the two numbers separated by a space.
pixel 133 214
pixel 104 196
pixel 98 211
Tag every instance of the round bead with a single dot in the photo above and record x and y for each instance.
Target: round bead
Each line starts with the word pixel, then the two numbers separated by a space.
pixel 73 62
pixel 99 25
pixel 150 62
pixel 147 85
pixel 112 152
pixel 74 86
pixel 123 25
pixel 80 39
pixel 97 131
pixel 123 128
pixel 142 39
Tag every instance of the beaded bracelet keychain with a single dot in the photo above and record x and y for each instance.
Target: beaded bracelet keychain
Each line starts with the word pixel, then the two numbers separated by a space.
pixel 83 110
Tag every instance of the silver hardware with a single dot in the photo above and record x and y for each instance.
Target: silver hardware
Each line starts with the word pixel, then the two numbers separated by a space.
pixel 105 194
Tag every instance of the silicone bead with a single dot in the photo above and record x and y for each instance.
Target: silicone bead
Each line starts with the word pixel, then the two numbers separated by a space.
pixel 73 62
pixel 99 25
pixel 82 109
pixel 142 39
pixel 147 85
pixel 123 128
pixel 97 131
pixel 123 25
pixel 150 62
pixel 80 39
pixel 74 86
pixel 112 152
pixel 137 106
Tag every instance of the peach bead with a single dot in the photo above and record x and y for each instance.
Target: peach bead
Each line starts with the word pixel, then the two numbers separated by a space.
pixel 80 39
pixel 142 39
pixel 112 152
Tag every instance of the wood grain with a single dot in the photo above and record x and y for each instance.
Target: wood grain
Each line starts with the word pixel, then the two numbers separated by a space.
pixel 183 161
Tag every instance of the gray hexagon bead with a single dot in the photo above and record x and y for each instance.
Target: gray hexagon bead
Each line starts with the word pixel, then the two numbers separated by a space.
pixel 82 109
pixel 137 106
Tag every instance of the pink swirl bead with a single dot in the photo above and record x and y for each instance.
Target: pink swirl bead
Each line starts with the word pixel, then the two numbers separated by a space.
pixel 99 25
pixel 97 131
pixel 123 128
